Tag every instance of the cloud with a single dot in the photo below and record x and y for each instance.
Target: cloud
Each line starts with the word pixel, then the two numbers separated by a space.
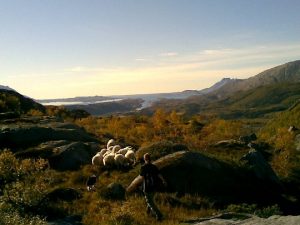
pixel 140 59
pixel 169 54
pixel 216 51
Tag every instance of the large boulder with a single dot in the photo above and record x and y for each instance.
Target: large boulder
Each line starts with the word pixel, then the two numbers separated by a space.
pixel 71 156
pixel 257 163
pixel 62 154
pixel 61 194
pixel 66 145
pixel 113 191
pixel 44 150
pixel 190 172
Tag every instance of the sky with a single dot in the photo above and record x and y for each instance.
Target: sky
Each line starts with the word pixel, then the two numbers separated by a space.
pixel 68 48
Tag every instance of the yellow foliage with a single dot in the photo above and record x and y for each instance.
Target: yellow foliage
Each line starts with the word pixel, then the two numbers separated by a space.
pixel 282 161
pixel 35 112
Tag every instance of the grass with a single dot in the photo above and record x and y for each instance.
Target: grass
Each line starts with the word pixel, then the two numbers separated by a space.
pixel 95 209
pixel 133 211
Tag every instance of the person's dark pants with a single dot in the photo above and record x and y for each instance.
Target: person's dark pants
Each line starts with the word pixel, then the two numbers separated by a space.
pixel 151 207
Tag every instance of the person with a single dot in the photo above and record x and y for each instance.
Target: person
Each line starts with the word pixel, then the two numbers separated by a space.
pixel 90 183
pixel 151 179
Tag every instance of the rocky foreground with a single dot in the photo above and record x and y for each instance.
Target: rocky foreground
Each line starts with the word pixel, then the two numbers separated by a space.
pixel 232 219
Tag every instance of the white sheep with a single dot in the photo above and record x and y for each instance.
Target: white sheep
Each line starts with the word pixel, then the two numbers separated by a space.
pixel 107 153
pixel 103 151
pixel 109 160
pixel 121 161
pixel 122 151
pixel 111 142
pixel 97 160
pixel 110 148
pixel 130 155
pixel 116 148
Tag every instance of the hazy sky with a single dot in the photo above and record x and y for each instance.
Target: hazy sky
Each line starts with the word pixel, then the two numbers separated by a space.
pixel 67 48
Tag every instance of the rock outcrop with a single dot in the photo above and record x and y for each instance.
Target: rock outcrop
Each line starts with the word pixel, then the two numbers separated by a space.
pixel 190 172
pixel 235 219
pixel 113 191
pixel 257 163
pixel 65 145
pixel 29 135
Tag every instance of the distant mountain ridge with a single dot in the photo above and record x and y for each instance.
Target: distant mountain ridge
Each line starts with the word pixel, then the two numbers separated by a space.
pixel 218 85
pixel 286 73
pixel 273 90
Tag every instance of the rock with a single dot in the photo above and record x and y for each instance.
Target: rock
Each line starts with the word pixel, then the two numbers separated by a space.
pixel 159 149
pixel 194 173
pixel 43 150
pixel 235 219
pixel 9 115
pixel 114 191
pixel 257 163
pixel 248 138
pixel 62 155
pixel 71 156
pixel 62 194
pixel 231 143
pixel 29 135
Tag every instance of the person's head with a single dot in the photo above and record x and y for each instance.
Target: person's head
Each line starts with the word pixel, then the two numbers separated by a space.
pixel 147 158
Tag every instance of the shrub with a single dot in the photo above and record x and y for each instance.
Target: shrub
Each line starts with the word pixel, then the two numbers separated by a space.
pixel 14 218
pixel 160 149
pixel 253 209
pixel 24 182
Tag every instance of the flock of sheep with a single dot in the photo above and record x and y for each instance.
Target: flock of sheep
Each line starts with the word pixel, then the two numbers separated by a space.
pixel 114 156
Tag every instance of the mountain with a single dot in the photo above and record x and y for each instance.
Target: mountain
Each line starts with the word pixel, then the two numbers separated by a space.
pixel 270 91
pixel 286 73
pixel 218 85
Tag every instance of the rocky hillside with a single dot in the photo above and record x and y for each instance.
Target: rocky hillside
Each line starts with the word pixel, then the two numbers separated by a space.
pixel 286 73
pixel 220 84
pixel 12 101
